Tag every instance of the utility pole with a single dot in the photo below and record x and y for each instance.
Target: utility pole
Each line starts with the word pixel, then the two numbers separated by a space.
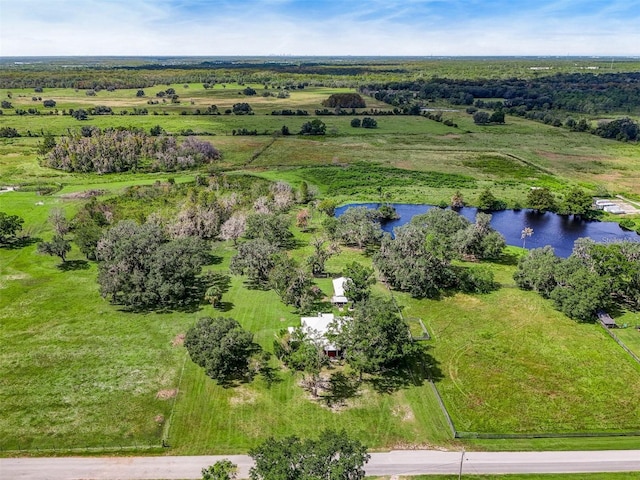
pixel 461 462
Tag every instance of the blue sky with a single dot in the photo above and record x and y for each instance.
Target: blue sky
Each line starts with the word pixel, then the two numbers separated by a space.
pixel 319 27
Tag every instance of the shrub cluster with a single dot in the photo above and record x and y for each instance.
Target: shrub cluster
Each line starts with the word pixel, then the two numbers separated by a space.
pixel 111 151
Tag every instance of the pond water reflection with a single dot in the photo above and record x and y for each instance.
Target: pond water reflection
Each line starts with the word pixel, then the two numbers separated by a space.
pixel 548 228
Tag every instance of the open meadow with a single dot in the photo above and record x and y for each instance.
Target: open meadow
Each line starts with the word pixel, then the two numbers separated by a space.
pixel 77 371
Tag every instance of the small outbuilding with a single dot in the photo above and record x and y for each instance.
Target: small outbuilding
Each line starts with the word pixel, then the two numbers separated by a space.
pixel 606 319
pixel 339 299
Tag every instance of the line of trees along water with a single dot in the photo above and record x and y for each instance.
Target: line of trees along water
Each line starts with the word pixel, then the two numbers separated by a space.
pixel 558 231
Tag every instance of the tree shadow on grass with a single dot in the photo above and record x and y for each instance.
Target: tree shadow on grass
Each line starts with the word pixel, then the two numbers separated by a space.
pixel 509 259
pixel 418 367
pixel 19 242
pixel 224 306
pixel 71 265
pixel 340 388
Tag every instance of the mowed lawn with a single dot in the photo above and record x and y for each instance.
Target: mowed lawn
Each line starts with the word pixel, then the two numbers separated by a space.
pixel 512 364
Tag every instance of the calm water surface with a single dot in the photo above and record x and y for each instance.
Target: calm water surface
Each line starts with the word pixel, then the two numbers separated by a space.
pixel 548 228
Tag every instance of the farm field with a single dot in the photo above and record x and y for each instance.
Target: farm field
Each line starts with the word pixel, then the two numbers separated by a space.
pixel 77 372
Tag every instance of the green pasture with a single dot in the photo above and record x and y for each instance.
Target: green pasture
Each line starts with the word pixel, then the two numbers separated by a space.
pixel 212 419
pixel 528 153
pixel 512 364
pixel 76 371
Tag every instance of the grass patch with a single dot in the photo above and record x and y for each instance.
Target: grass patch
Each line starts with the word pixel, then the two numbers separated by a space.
pixel 366 178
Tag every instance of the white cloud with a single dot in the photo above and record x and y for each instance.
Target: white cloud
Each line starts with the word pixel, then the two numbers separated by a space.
pixel 117 27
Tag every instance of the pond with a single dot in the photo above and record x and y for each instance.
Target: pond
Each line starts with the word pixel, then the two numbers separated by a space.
pixel 548 228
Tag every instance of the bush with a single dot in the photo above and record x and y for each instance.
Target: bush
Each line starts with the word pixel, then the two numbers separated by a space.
pixel 314 127
pixel 344 100
pixel 242 109
pixel 627 224
pixel 368 122
pixel 481 118
pixel 49 103
pixel 80 114
pixel 8 132
pixel 356 122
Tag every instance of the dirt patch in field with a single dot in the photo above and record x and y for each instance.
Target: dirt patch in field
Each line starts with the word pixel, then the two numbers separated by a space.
pixel 178 340
pixel 167 394
pixel 417 446
pixel 243 396
pixel 159 419
pixel 83 195
pixel 573 158
pixel 404 412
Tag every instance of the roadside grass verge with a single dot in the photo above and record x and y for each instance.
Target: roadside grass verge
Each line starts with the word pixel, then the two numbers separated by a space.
pixel 527 476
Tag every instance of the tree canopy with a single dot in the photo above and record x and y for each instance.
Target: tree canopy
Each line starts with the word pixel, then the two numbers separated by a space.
pixel 9 226
pixel 140 268
pixel 255 259
pixel 344 100
pixel 595 276
pixel 220 346
pixel 332 456
pixel 374 338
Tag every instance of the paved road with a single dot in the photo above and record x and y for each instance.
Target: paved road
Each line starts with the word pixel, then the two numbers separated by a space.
pixel 398 462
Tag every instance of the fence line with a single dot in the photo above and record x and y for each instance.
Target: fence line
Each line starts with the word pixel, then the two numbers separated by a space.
pixel 620 342
pixel 167 426
pixel 97 449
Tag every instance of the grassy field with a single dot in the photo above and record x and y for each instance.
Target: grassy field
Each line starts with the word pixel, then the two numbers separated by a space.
pixel 529 153
pixel 512 364
pixel 210 418
pixel 76 371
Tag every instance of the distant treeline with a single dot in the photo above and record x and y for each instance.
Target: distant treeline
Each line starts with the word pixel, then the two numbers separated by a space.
pixel 579 92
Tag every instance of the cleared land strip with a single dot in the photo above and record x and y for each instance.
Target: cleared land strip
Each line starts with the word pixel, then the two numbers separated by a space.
pixel 398 462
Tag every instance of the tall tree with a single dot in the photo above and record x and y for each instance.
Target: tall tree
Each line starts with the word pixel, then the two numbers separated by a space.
pixel 9 226
pixel 255 259
pixel 577 202
pixel 541 199
pixel 374 338
pixel 294 285
pixel 140 268
pixel 317 260
pixel 272 228
pixel 358 226
pixel 359 281
pixel 58 247
pixel 221 346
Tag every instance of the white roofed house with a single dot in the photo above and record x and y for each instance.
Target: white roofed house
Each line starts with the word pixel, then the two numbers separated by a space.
pixel 339 299
pixel 317 327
